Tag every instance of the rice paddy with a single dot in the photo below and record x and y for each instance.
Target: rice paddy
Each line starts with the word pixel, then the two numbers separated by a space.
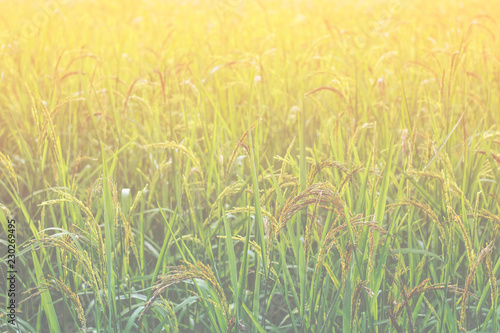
pixel 245 165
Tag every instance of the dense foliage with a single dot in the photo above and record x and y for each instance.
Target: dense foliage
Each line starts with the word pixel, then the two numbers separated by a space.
pixel 281 166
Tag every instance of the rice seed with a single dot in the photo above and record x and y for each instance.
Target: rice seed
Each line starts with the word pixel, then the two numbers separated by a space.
pixel 184 272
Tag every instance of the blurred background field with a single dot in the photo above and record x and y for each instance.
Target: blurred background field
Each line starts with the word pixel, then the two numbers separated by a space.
pixel 266 166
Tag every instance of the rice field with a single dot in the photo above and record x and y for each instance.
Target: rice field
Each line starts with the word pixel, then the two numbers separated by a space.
pixel 250 166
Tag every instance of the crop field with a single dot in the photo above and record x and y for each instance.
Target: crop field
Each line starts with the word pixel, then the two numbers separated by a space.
pixel 250 166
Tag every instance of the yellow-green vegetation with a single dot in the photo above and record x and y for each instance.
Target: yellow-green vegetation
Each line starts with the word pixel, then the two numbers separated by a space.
pixel 266 166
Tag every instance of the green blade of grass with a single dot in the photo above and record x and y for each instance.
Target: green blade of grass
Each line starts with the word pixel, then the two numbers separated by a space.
pixel 47 304
pixel 109 219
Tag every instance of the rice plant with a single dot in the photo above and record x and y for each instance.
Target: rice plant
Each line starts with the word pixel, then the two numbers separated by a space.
pixel 244 165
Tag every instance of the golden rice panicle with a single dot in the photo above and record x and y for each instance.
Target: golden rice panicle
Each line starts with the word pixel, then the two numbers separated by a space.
pixel 461 328
pixel 316 168
pixel 210 277
pixel 82 257
pixel 493 282
pixel 420 266
pixel 412 142
pixel 41 224
pixel 189 271
pixel 64 289
pixel 420 288
pixel 374 150
pixel 469 280
pixel 240 143
pixel 406 303
pixel 229 190
pixel 465 234
pixel 356 301
pixel 186 151
pixel 128 240
pixel 392 317
pixel 449 168
pixel 347 256
pixel 77 163
pixel 475 217
pixel 428 211
pixel 231 324
pixel 5 210
pixel 405 145
pixel 96 232
pixel 447 192
pixel 137 200
pixel 285 161
pixel 75 300
pixel 322 192
pixel 328 243
pixel 271 221
pixel 492 217
pixel 448 203
pixel 169 310
pixel 309 232
pixel 11 173
pixel 371 255
pixel 270 227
